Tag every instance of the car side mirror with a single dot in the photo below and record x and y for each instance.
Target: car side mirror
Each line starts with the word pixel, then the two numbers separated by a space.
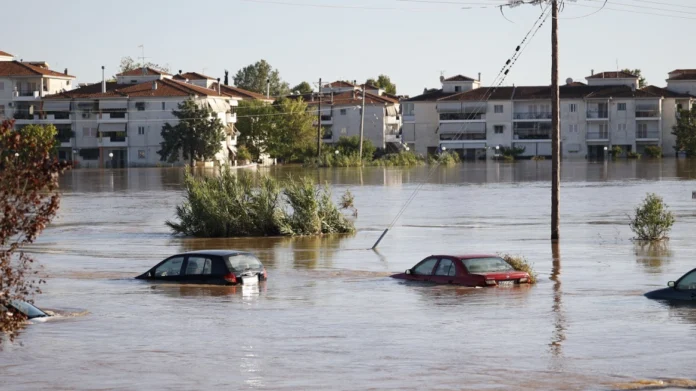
pixel 671 284
pixel 408 271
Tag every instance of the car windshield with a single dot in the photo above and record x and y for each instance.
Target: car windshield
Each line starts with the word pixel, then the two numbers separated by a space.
pixel 486 265
pixel 688 282
pixel 241 262
pixel 28 309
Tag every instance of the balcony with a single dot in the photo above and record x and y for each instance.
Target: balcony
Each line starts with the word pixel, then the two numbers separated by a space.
pixel 326 120
pixel 231 118
pixel 392 120
pixel 598 114
pixel 66 143
pixel 647 135
pixel 647 113
pixel 462 117
pixel 532 116
pixel 112 141
pixel 471 136
pixel 113 118
pixel 25 95
pixel 597 136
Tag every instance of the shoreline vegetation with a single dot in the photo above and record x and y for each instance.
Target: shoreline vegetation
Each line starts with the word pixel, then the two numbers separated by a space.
pixel 250 205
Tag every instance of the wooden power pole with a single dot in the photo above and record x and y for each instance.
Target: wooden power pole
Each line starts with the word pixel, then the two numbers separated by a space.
pixel 362 122
pixel 555 128
pixel 319 123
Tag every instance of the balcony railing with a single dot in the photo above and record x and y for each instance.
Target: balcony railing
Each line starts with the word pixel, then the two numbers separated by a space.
pixel 640 113
pixel 601 135
pixel 462 116
pixel 647 134
pixel 598 114
pixel 462 136
pixel 326 118
pixel 23 115
pixel 29 92
pixel 532 134
pixel 532 116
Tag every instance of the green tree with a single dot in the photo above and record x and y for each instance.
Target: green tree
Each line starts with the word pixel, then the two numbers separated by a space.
pixel 283 130
pixel 29 199
pixel 383 82
pixel 641 80
pixel 197 136
pixel 255 76
pixel 302 88
pixel 128 64
pixel 685 130
pixel 652 221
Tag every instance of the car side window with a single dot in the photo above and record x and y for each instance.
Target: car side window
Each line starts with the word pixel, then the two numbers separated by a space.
pixel 198 265
pixel 688 282
pixel 171 267
pixel 425 268
pixel 445 268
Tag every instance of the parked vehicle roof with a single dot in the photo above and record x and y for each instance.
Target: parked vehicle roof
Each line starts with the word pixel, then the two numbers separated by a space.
pixel 466 256
pixel 220 253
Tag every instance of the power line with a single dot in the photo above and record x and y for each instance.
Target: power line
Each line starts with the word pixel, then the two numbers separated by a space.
pixel 634 12
pixel 646 7
pixel 667 4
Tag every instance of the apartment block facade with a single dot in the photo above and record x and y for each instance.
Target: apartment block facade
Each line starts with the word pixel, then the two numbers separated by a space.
pixel 606 111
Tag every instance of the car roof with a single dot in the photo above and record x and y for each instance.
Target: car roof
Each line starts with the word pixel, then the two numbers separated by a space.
pixel 219 253
pixel 468 256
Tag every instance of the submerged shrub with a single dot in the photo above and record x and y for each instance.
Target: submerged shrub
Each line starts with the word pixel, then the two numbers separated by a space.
pixel 447 158
pixel 246 204
pixel 653 151
pixel 401 159
pixel 520 264
pixel 652 221
pixel 632 155
pixel 538 158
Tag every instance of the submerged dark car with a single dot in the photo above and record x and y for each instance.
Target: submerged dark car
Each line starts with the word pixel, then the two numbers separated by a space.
pixel 684 289
pixel 26 309
pixel 224 267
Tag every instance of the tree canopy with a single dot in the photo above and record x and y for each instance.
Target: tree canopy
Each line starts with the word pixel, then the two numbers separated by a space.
pixel 685 130
pixel 302 88
pixel 254 77
pixel 641 80
pixel 283 130
pixel 197 136
pixel 383 82
pixel 128 64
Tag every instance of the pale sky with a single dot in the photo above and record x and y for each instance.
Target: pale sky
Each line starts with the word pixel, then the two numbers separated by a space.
pixel 411 41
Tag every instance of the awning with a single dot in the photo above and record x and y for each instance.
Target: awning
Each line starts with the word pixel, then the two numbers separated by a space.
pixel 107 104
pixel 392 111
pixel 218 106
pixel 56 105
pixel 112 127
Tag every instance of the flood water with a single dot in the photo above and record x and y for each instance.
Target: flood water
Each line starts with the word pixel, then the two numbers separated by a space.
pixel 330 317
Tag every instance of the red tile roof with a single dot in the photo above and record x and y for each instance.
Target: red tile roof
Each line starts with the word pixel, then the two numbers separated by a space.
pixel 613 75
pixel 658 91
pixel 139 72
pixel 165 88
pixel 682 74
pixel 16 68
pixel 346 98
pixel 240 93
pixel 192 76
pixel 90 91
pixel 340 83
pixel 459 78
pixel 5 54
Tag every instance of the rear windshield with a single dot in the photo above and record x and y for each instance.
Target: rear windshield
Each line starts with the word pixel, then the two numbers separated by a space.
pixel 241 262
pixel 28 309
pixel 486 265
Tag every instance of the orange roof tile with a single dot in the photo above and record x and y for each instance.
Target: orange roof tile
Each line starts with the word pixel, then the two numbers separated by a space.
pixel 5 54
pixel 613 75
pixel 192 76
pixel 236 92
pixel 16 68
pixel 139 72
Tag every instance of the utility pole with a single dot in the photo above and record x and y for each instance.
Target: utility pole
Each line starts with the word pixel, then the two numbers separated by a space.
pixel 268 88
pixel 362 122
pixel 555 128
pixel 319 122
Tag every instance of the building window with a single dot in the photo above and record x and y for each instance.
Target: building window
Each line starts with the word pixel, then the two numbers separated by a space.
pixel 343 111
pixel 89 153
pixel 141 130
pixel 499 129
pixel 573 128
pixel 141 154
pixel 163 108
pixel 2 85
pixel 623 127
pixel 498 109
pixel 2 111
pixel 573 108
pixel 622 107
pixel 641 128
pixel 89 132
pixel 457 89
pixel 140 106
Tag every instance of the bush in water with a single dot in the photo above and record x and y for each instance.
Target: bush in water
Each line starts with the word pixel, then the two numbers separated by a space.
pixel 652 221
pixel 246 204
pixel 520 264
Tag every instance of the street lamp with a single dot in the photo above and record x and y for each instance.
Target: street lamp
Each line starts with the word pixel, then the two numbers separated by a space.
pixel 336 152
pixel 16 154
pixel 111 156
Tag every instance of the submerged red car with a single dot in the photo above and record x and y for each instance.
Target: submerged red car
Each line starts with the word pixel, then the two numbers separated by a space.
pixel 467 270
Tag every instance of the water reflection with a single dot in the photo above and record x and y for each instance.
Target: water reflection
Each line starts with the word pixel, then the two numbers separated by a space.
pixel 195 291
pixel 652 255
pixel 559 320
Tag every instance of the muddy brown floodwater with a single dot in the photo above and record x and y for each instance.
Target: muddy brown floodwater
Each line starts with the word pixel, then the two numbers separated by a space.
pixel 331 318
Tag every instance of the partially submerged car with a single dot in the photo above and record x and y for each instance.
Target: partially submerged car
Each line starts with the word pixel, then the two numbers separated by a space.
pixel 684 289
pixel 467 270
pixel 27 310
pixel 224 267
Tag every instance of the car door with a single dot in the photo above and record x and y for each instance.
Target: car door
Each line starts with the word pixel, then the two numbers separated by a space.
pixel 198 269
pixel 170 269
pixel 445 272
pixel 423 271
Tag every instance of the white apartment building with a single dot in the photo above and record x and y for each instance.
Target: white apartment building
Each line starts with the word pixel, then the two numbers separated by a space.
pixel 24 84
pixel 609 110
pixel 119 124
pixel 341 106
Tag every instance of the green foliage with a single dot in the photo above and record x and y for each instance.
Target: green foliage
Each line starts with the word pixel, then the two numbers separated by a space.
pixel 39 136
pixel 447 158
pixel 254 76
pixel 538 158
pixel 302 88
pixel 616 151
pixel 653 151
pixel 247 204
pixel 383 82
pixel 351 145
pixel 652 221
pixel 243 153
pixel 283 130
pixel 685 131
pixel 401 159
pixel 128 64
pixel 637 72
pixel 197 136
pixel 633 155
pixel 521 264
pixel 511 152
